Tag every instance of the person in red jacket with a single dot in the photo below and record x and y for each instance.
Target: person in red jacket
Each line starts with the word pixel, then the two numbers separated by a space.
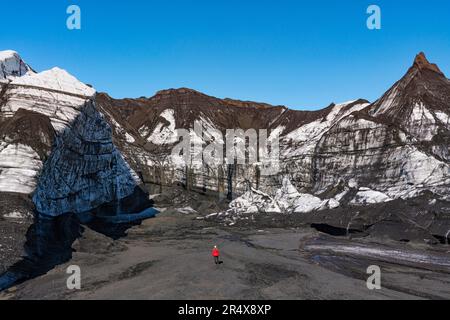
pixel 216 255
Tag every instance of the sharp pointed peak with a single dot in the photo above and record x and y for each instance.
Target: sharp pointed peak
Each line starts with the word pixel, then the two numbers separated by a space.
pixel 421 62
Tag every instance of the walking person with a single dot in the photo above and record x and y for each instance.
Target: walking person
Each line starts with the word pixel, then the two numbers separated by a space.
pixel 216 255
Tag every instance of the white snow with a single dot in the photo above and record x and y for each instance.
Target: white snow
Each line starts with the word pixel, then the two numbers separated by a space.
pixel 307 203
pixel 368 196
pixel 163 133
pixel 287 200
pixel 144 131
pixel 290 200
pixel 443 117
pixel 119 129
pixel 276 133
pixel 129 138
pixel 422 123
pixel 187 210
pixel 387 103
pixel 307 136
pixel 423 169
pixel 14 215
pixel 56 79
pixel 333 203
pixel 254 201
pixel 353 183
pixel 12 66
pixel 53 93
pixel 287 195
pixel 19 166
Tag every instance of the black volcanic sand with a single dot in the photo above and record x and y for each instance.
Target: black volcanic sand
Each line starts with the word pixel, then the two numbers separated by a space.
pixel 13 231
pixel 169 257
pixel 12 241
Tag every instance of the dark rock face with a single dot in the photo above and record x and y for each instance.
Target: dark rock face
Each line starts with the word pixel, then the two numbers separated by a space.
pixel 397 145
pixel 29 128
pixel 347 155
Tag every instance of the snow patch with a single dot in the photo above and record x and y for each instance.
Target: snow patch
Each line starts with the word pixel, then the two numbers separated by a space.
pixel 129 138
pixel 254 201
pixel 307 136
pixel 290 200
pixel 368 196
pixel 12 66
pixel 187 210
pixel 19 166
pixel 163 133
pixel 56 79
pixel 15 215
pixel 443 117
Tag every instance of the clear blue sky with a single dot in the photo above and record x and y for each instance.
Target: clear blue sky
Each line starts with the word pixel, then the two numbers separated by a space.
pixel 303 54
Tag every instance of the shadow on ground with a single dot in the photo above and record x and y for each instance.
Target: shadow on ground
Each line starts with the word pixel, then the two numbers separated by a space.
pixel 49 243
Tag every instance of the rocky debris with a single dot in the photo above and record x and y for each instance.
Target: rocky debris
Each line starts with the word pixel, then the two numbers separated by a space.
pixel 286 201
pixel 176 199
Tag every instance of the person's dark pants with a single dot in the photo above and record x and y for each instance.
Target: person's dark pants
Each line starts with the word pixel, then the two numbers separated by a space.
pixel 216 260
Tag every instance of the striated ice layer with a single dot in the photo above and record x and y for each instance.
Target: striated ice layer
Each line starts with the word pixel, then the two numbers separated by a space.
pixel 19 166
pixel 85 170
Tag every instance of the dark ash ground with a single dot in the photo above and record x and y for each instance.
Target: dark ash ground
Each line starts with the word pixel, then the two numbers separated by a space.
pixel 169 257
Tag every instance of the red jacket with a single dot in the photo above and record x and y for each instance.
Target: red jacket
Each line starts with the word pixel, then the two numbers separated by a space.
pixel 215 252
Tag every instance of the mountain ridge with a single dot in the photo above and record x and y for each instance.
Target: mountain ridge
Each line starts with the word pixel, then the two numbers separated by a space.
pixel 346 155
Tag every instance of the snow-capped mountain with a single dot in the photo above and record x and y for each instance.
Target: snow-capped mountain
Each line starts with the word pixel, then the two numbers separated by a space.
pixel 397 145
pixel 76 150
pixel 352 154
pixel 12 66
pixel 55 145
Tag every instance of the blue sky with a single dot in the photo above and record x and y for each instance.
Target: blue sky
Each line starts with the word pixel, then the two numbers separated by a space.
pixel 303 54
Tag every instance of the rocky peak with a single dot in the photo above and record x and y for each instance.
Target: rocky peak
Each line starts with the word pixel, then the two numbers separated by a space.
pixel 421 62
pixel 12 65
pixel 177 92
pixel 423 84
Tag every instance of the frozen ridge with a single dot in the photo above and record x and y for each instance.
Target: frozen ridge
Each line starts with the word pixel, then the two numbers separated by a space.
pixel 12 66
pixel 56 79
pixel 54 93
